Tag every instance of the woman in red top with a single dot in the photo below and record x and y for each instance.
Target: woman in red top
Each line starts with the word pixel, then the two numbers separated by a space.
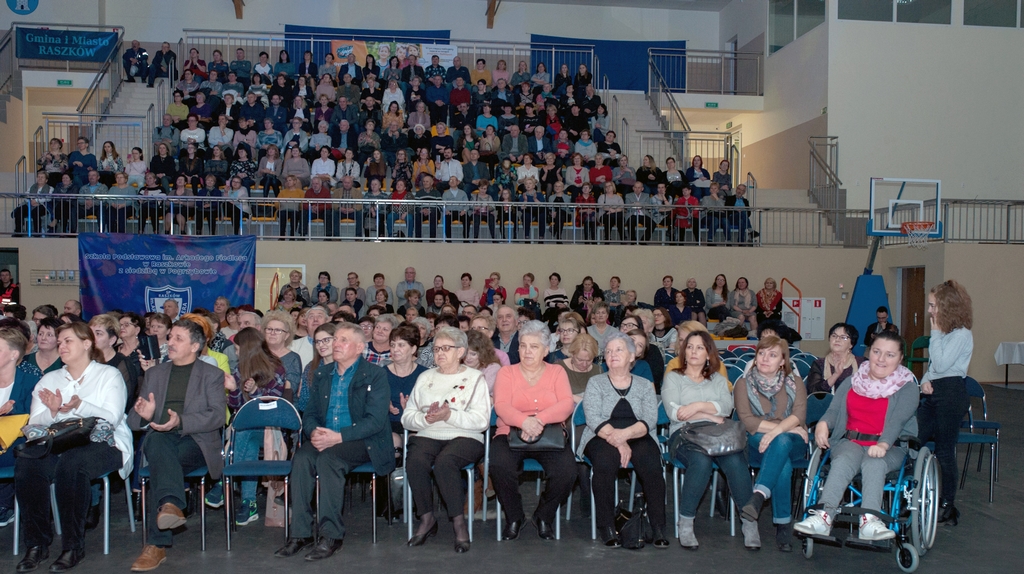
pixel 869 412
pixel 528 397
pixel 586 217
pixel 685 213
pixel 769 301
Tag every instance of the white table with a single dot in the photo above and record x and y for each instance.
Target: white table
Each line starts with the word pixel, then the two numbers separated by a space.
pixel 1009 353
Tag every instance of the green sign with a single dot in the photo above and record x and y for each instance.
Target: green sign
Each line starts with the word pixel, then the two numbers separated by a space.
pixel 710 104
pixel 728 125
pixel 64 83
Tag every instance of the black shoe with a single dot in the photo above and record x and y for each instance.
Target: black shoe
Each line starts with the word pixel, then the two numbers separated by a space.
pixel 610 538
pixel 784 537
pixel 511 530
pixel 92 518
pixel 293 547
pixel 32 558
pixel 419 539
pixel 752 509
pixel 461 546
pixel 544 529
pixel 659 537
pixel 67 560
pixel 325 549
pixel 948 514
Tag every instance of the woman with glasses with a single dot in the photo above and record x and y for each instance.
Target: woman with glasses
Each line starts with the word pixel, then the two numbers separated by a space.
pixel 839 364
pixel 449 410
pixel 323 339
pixel 570 326
pixel 279 331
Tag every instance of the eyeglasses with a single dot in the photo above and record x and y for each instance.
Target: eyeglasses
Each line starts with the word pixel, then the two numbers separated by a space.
pixel 444 348
pixel 270 331
pixel 630 326
pixel 480 328
pixel 839 337
pixel 564 331
pixel 324 341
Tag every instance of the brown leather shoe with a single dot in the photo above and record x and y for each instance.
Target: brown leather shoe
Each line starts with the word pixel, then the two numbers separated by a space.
pixel 150 558
pixel 169 517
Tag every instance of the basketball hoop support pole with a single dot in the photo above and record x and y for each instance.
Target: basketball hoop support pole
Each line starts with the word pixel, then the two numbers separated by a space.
pixel 869 267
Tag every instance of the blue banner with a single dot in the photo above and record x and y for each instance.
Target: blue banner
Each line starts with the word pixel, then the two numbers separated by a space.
pixel 76 45
pixel 139 272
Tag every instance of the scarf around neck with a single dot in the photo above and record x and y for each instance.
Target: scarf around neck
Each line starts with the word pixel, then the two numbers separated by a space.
pixel 769 387
pixel 865 386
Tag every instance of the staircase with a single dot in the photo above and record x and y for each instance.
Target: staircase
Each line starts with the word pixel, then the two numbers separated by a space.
pixel 134 99
pixel 637 111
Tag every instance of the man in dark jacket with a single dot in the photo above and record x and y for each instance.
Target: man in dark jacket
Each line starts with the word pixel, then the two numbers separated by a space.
pixel 135 61
pixel 345 425
pixel 181 406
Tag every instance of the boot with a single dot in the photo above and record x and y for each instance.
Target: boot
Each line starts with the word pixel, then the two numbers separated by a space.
pixel 751 537
pixel 784 537
pixel 687 539
pixel 948 514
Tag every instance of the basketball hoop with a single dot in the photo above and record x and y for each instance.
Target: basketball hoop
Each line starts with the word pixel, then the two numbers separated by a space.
pixel 917 233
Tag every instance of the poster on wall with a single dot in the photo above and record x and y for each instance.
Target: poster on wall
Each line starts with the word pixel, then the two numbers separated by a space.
pixel 811 321
pixel 140 272
pixel 74 45
pixel 444 52
pixel 407 52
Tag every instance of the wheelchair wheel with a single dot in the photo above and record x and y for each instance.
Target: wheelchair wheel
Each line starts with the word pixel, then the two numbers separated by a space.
pixel 808 549
pixel 907 557
pixel 925 504
pixel 813 468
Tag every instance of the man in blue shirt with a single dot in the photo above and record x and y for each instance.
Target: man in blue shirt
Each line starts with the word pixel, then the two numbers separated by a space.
pixel 346 425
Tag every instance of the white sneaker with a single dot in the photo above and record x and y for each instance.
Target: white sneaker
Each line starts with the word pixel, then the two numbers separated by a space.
pixel 872 528
pixel 818 523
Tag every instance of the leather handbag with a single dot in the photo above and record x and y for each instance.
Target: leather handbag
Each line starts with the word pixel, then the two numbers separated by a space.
pixel 551 439
pixel 10 430
pixel 634 528
pixel 59 437
pixel 715 439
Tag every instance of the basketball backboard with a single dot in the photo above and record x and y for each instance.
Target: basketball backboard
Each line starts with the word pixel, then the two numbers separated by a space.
pixel 896 200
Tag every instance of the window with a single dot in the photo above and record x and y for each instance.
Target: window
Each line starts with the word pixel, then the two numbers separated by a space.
pixel 924 11
pixel 870 10
pixel 790 19
pixel 781 24
pixel 1001 13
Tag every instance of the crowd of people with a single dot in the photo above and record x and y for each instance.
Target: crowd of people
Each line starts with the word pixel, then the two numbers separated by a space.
pixel 479 139
pixel 368 366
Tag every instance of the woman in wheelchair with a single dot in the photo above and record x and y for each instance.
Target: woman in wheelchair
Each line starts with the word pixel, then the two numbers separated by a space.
pixel 771 402
pixel 870 411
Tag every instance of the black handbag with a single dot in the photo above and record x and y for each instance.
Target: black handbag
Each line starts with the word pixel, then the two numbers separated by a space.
pixel 60 437
pixel 715 439
pixel 552 439
pixel 634 528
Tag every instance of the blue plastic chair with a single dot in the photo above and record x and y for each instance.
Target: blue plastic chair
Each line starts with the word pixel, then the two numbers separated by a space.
pixel 802 366
pixel 258 414
pixel 529 465
pixel 197 474
pixel 579 418
pixel 735 372
pixel 726 354
pixel 971 438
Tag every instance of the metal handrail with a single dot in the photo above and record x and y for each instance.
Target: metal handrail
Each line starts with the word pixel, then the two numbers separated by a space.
pixel 820 160
pixel 21 173
pixel 6 45
pixel 799 294
pixel 663 93
pixel 696 70
pixel 317 35
pixel 38 140
pixel 114 56
pixel 751 187
pixel 624 136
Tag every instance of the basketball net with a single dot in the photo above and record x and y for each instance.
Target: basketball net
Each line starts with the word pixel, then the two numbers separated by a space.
pixel 917 233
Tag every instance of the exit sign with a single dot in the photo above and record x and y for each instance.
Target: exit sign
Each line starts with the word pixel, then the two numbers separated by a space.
pixel 710 104
pixel 728 125
pixel 66 83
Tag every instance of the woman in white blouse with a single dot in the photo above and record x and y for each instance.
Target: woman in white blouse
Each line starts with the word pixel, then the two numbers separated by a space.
pixel 323 165
pixel 83 388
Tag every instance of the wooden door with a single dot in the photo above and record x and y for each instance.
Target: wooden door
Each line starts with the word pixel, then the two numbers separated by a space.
pixel 913 320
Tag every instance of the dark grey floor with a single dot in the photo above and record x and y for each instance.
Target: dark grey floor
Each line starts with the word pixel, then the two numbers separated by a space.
pixel 987 539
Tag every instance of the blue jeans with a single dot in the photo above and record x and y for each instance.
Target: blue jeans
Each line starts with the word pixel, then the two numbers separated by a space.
pixel 776 473
pixel 698 475
pixel 247 447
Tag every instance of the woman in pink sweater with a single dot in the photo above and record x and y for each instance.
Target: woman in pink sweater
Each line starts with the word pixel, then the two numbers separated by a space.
pixel 527 397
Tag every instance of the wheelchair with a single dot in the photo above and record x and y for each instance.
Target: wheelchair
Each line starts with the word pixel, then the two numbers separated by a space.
pixel 910 504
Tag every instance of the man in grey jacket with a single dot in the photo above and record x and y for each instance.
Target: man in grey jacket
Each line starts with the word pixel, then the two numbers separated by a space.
pixel 181 407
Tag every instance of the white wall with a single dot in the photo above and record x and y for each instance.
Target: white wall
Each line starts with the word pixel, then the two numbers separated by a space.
pixel 795 87
pixel 745 19
pixel 927 101
pixel 155 21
